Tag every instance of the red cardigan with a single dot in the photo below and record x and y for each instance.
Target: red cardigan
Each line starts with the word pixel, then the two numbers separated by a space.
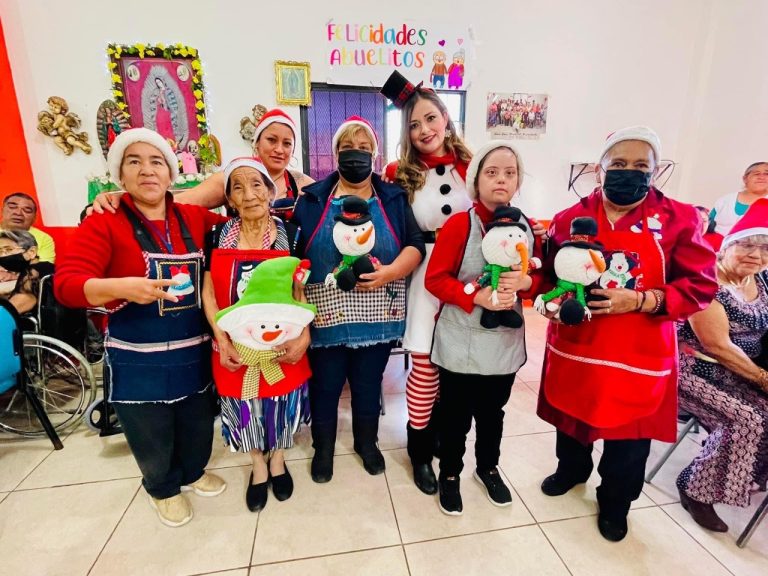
pixel 104 247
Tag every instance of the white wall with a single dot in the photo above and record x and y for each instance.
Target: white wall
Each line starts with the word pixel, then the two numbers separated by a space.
pixel 604 63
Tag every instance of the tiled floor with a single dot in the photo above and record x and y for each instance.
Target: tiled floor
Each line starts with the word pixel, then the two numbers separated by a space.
pixel 82 511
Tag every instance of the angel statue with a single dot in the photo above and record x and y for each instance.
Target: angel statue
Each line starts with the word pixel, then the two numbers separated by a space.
pixel 60 124
pixel 248 125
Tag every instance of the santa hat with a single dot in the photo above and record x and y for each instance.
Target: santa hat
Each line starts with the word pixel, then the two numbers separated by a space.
pixel 131 136
pixel 642 133
pixel 356 121
pixel 251 163
pixel 484 150
pixel 269 296
pixel 754 222
pixel 274 116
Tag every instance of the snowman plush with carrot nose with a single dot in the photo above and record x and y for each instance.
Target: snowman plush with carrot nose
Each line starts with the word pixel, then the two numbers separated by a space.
pixel 267 316
pixel 354 237
pixel 505 244
pixel 578 263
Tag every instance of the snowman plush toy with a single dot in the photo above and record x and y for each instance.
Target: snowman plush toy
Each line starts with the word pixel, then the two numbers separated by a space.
pixel 354 236
pixel 578 263
pixel 506 244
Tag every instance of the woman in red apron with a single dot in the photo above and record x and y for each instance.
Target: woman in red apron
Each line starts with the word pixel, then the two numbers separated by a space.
pixel 262 425
pixel 614 377
pixel 144 263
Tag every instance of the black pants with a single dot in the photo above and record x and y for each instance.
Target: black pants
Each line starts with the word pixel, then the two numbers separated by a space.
pixel 467 396
pixel 621 468
pixel 171 442
pixel 332 367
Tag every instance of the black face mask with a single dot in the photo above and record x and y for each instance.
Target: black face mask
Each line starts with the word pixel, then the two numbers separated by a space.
pixel 625 187
pixel 14 262
pixel 355 165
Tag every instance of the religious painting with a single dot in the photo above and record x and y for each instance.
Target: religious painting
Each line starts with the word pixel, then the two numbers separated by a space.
pixel 293 83
pixel 161 88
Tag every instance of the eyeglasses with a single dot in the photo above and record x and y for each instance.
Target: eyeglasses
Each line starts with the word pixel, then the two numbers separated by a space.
pixel 749 247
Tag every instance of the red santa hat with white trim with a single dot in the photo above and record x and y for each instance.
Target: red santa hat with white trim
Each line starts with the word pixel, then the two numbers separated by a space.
pixel 753 223
pixel 274 116
pixel 132 136
pixel 358 121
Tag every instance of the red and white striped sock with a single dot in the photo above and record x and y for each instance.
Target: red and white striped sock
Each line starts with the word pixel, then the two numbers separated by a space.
pixel 421 389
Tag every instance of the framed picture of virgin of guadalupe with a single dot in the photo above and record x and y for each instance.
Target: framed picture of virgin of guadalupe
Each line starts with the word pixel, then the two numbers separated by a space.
pixel 293 83
pixel 161 88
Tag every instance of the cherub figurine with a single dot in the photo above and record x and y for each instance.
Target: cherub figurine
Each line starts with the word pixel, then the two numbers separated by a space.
pixel 60 124
pixel 248 125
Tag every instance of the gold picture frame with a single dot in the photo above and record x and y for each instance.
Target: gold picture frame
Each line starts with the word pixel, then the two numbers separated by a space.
pixel 293 83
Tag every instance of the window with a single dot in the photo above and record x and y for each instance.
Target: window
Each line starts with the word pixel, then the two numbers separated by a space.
pixel 332 104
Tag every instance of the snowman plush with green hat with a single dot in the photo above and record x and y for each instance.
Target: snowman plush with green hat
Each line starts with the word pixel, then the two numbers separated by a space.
pixel 266 316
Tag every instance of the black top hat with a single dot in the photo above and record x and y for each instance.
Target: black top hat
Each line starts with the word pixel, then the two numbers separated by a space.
pixel 507 216
pixel 398 89
pixel 583 230
pixel 354 211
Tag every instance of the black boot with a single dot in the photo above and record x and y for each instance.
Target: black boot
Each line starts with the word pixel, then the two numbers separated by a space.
pixel 434 427
pixel 365 432
pixel 420 446
pixel 323 441
pixel 612 516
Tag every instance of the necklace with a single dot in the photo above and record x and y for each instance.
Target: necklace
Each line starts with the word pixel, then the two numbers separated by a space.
pixel 743 283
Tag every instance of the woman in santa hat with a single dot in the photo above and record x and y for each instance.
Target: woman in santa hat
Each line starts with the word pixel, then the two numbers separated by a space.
pixel 723 377
pixel 274 142
pixel 354 331
pixel 614 377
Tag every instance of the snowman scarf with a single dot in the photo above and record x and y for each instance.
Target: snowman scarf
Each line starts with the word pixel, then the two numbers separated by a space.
pixel 259 362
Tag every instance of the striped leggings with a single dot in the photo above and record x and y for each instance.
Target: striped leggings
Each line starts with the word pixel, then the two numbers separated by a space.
pixel 421 390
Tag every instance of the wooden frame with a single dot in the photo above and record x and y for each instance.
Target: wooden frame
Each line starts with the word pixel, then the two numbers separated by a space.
pixel 293 83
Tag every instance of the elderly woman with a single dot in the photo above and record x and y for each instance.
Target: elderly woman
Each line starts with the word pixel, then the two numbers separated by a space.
pixel 731 207
pixel 354 331
pixel 274 142
pixel 144 263
pixel 264 425
pixel 615 377
pixel 720 381
pixel 18 254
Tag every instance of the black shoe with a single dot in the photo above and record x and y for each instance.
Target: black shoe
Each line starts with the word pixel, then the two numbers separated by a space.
pixel 495 489
pixel 282 485
pixel 556 485
pixel 612 529
pixel 322 466
pixel 373 459
pixel 365 433
pixel 424 477
pixel 450 496
pixel 256 495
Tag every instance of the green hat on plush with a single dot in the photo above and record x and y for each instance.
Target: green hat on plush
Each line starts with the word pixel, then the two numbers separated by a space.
pixel 268 315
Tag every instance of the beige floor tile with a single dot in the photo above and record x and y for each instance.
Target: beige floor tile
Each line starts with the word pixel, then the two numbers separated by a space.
pixel 379 562
pixel 534 387
pixel 221 455
pixel 86 458
pixel 351 512
pixel 419 516
pixel 663 490
pixel 531 371
pixel 749 561
pixel 240 572
pixel 219 537
pixel 527 460
pixel 655 545
pixel 19 456
pixel 518 551
pixel 3 495
pixel 60 530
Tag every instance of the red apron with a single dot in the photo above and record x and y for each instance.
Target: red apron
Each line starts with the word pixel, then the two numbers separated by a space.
pixel 615 369
pixel 230 273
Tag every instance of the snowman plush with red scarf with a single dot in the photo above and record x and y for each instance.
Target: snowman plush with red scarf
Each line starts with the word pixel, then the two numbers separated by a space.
pixel 354 237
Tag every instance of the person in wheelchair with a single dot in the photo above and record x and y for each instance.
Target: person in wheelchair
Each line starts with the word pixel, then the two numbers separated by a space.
pixel 144 264
pixel 18 255
pixel 723 380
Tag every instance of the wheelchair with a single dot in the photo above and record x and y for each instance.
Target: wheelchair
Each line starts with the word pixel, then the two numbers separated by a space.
pixel 54 369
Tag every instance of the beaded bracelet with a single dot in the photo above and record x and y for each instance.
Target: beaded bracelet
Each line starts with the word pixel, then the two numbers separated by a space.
pixel 659 300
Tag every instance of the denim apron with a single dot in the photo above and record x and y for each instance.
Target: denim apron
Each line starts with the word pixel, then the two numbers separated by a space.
pixel 358 317
pixel 160 352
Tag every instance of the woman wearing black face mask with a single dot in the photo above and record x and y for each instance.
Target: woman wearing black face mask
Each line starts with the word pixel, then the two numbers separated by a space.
pixel 18 254
pixel 354 331
pixel 615 377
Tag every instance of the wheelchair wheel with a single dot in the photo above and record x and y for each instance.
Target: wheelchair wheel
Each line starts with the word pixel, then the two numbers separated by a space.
pixel 101 417
pixel 62 380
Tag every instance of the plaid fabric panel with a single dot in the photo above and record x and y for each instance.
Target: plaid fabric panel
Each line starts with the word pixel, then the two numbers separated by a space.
pixel 335 307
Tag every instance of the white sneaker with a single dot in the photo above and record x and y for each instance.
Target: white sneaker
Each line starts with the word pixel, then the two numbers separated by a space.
pixel 174 511
pixel 208 485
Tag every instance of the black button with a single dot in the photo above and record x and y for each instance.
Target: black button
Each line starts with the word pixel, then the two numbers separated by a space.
pixel 445 189
pixel 440 169
pixel 446 209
